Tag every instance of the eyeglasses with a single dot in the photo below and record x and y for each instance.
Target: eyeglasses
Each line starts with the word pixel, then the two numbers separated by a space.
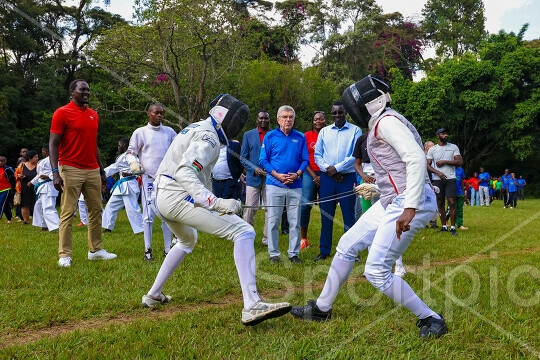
pixel 287 117
pixel 338 112
pixel 318 112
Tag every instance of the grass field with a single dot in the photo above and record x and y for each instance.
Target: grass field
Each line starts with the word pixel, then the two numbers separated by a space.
pixel 486 282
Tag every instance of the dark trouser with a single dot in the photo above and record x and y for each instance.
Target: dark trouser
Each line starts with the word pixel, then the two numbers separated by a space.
pixel 512 199
pixel 284 220
pixel 331 187
pixel 225 189
pixel 4 204
pixel 505 197
pixel 521 193
pixel 459 205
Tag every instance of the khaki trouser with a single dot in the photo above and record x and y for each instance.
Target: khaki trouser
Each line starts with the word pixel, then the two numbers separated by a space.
pixel 75 181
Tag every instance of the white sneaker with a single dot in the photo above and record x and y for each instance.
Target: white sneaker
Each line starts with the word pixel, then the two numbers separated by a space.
pixel 64 262
pixel 101 255
pixel 265 241
pixel 149 302
pixel 262 311
pixel 174 241
pixel 399 271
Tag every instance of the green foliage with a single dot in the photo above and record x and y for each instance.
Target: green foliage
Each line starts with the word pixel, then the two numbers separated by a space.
pixel 489 103
pixel 454 26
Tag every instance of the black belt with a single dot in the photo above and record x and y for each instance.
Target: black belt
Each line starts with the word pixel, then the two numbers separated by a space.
pixel 222 180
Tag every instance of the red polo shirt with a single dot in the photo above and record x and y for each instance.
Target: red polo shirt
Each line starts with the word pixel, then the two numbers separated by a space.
pixel 78 127
pixel 261 134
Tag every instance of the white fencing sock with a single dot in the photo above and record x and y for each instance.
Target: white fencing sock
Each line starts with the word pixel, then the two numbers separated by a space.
pixel 244 259
pixel 147 229
pixel 167 233
pixel 171 262
pixel 338 274
pixel 401 292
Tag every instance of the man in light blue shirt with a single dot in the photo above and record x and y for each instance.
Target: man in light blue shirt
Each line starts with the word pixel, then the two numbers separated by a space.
pixel 334 156
pixel 484 186
pixel 284 157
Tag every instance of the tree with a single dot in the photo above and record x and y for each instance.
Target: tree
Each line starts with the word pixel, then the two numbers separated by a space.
pixel 454 26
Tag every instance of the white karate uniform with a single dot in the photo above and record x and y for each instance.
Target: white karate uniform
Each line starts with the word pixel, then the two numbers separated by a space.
pixel 125 194
pixel 83 211
pixel 45 214
pixel 150 143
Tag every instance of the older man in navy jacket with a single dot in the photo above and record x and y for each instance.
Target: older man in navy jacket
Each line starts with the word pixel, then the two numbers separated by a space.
pixel 256 176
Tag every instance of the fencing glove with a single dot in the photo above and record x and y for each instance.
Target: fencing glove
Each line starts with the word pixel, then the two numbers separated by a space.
pixel 367 191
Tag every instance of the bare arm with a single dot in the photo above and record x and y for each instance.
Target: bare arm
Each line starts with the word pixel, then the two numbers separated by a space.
pixel 458 161
pixel 54 142
pixel 433 170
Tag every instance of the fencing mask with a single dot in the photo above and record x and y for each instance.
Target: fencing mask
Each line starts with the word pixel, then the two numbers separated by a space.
pixel 365 99
pixel 229 116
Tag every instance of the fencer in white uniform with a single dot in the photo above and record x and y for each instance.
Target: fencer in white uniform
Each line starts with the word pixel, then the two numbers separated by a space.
pixel 45 214
pixel 184 202
pixel 147 146
pixel 406 205
pixel 125 193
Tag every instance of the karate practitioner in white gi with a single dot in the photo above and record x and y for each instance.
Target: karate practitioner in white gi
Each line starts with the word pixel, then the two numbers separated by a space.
pixel 147 146
pixel 45 214
pixel 125 193
pixel 406 205
pixel 186 205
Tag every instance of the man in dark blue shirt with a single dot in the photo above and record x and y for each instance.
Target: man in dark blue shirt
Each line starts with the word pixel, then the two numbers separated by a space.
pixel 284 157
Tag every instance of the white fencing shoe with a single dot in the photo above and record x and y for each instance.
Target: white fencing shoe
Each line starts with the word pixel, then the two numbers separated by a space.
pixel 64 262
pixel 263 311
pixel 101 255
pixel 149 302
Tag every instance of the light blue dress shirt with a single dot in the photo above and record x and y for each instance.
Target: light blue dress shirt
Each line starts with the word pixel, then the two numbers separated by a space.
pixel 335 147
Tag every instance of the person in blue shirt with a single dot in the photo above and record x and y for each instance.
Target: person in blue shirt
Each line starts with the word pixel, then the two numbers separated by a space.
pixel 484 186
pixel 334 156
pixel 460 175
pixel 284 157
pixel 511 191
pixel 504 191
pixel 521 188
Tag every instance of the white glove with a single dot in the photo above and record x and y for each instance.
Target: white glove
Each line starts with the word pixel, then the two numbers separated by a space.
pixel 367 191
pixel 436 189
pixel 227 206
pixel 136 168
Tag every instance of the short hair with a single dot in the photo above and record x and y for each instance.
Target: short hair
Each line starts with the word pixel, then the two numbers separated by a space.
pixel 151 106
pixel 3 157
pixel 285 108
pixel 73 84
pixel 45 147
pixel 124 141
pixel 31 155
pixel 264 111
pixel 338 103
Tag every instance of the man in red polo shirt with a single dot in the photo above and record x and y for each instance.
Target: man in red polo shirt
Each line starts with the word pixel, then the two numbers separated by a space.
pixel 76 166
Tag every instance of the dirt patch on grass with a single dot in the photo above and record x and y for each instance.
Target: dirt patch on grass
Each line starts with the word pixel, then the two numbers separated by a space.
pixel 28 335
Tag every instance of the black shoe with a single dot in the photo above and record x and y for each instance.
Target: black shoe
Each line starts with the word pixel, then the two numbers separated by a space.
pixel 295 260
pixel 321 256
pixel 148 255
pixel 431 327
pixel 106 231
pixel 275 259
pixel 443 229
pixel 433 225
pixel 285 232
pixel 311 312
pixel 453 232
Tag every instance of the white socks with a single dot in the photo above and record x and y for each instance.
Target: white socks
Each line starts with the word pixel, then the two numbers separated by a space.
pixel 171 262
pixel 147 229
pixel 167 234
pixel 401 292
pixel 338 274
pixel 244 259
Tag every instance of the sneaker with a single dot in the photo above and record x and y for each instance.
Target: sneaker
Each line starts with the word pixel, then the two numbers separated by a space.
pixel 431 327
pixel 511 207
pixel 295 260
pixel 148 255
pixel 399 271
pixel 101 255
pixel 453 232
pixel 80 224
pixel 311 312
pixel 263 311
pixel 104 231
pixel 265 241
pixel 304 244
pixel 9 221
pixel 443 230
pixel 150 302
pixel 64 262
pixel 275 259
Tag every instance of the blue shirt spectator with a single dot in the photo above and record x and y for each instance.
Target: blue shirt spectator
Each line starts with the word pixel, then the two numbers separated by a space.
pixel 484 178
pixel 505 177
pixel 521 183
pixel 284 154
pixel 510 184
pixel 460 175
pixel 335 147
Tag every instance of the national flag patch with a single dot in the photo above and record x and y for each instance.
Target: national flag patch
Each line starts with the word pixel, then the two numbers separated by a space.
pixel 197 166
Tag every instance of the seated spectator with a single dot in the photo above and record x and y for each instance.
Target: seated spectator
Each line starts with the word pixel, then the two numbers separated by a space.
pixel 475 185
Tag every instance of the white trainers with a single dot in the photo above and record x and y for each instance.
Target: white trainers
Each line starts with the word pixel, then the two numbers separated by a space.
pixel 101 255
pixel 399 271
pixel 262 311
pixel 149 302
pixel 64 262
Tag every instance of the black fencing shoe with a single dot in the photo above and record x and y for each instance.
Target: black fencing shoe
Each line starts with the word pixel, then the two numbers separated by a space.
pixel 431 327
pixel 321 256
pixel 295 260
pixel 148 255
pixel 275 259
pixel 311 312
